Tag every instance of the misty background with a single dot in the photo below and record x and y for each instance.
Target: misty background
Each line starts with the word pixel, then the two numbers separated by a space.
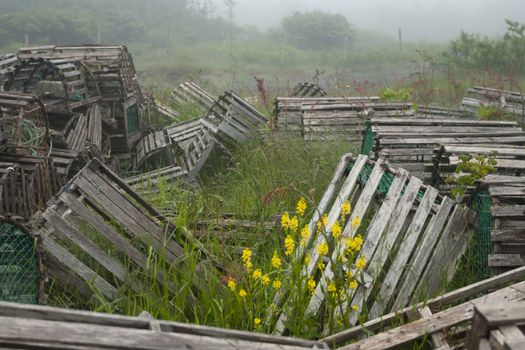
pixel 333 42
pixel 433 20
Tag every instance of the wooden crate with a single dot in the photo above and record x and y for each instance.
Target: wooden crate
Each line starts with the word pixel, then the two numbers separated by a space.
pixel 288 113
pixel 28 326
pixel 232 119
pixel 23 123
pixel 508 220
pixel 191 93
pixel 510 157
pixel 500 325
pixel 96 206
pixel 512 102
pixel 428 232
pixel 439 323
pixel 303 89
pixel 410 142
pixel 340 121
pixel 32 183
pixel 149 182
pixel 62 84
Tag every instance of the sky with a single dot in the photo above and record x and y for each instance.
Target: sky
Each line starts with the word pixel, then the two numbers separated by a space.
pixel 432 20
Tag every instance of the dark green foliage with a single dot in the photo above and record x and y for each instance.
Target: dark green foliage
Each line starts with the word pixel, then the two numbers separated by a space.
pixel 317 30
pixel 120 21
pixel 506 53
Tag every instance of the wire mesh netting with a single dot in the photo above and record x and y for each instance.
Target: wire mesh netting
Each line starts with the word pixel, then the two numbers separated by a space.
pixel 481 246
pixel 18 265
pixel 368 139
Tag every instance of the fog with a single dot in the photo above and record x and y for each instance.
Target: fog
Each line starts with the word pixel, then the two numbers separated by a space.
pixel 432 20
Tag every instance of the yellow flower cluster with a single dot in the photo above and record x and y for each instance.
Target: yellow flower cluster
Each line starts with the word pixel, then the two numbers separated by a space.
pixel 323 248
pixel 323 223
pixel 361 263
pixel 289 244
pixel 276 261
pixel 311 285
pixel 257 274
pixel 355 307
pixel 276 284
pixel 332 288
pixel 247 258
pixel 307 258
pixel 353 245
pixel 257 321
pixel 231 284
pixel 346 208
pixel 285 220
pixel 243 293
pixel 321 265
pixel 305 234
pixel 336 230
pixel 301 206
pixel 294 223
pixel 353 284
pixel 265 279
pixel 356 222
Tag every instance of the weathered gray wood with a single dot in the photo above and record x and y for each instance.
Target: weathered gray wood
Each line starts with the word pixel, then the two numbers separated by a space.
pixel 75 265
pixel 406 247
pixel 422 254
pixel 374 235
pixel 449 248
pixel 437 322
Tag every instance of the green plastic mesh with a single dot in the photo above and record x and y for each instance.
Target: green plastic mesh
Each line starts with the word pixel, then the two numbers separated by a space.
pixel 18 266
pixel 132 115
pixel 368 140
pixel 481 246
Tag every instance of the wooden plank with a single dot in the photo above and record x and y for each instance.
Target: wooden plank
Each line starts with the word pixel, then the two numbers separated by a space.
pixel 450 247
pixel 407 245
pixel 422 254
pixel 373 237
pixel 440 321
pixel 76 266
pixel 461 294
pixel 439 339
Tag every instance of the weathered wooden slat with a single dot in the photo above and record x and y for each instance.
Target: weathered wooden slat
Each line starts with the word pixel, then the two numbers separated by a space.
pixel 461 294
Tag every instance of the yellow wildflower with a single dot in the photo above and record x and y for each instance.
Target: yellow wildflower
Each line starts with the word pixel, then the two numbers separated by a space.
pixel 323 223
pixel 311 285
pixel 361 262
pixel 231 284
pixel 307 258
pixel 301 206
pixel 353 284
pixel 346 208
pixel 257 321
pixel 355 307
pixel 246 255
pixel 257 274
pixel 276 261
pixel 356 222
pixel 242 293
pixel 332 289
pixel 285 220
pixel 323 249
pixel 265 279
pixel 294 223
pixel 321 265
pixel 276 284
pixel 336 230
pixel 305 234
pixel 354 244
pixel 289 244
pixel 248 264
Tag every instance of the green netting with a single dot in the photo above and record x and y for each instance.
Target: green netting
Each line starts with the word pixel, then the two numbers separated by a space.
pixel 18 266
pixel 133 120
pixel 368 139
pixel 481 246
